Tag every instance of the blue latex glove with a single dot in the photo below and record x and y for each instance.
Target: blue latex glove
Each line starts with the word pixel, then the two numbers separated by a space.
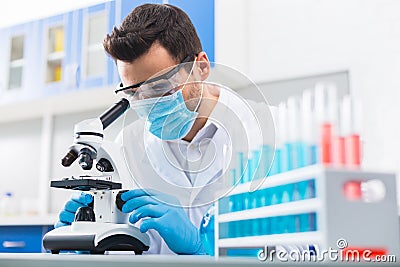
pixel 169 220
pixel 67 215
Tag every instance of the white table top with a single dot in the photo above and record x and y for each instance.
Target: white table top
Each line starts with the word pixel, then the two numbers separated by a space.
pixel 68 260
pixel 49 219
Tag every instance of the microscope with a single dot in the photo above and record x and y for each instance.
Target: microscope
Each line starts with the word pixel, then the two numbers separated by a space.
pixel 102 226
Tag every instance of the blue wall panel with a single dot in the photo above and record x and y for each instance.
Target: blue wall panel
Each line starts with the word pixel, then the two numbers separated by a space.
pixel 201 12
pixel 128 5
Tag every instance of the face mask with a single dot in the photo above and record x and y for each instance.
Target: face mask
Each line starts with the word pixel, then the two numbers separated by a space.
pixel 171 120
pixel 168 117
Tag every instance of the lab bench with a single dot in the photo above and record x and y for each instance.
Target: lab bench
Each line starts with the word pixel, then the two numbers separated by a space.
pixel 68 260
pixel 22 234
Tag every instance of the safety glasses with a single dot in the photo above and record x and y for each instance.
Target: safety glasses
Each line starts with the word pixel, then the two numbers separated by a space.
pixel 161 85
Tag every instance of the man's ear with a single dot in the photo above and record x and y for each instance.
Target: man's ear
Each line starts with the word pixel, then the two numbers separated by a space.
pixel 203 65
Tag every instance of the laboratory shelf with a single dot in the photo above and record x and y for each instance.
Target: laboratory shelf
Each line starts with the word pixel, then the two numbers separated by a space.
pixel 263 240
pixel 301 206
pixel 330 208
pixel 293 176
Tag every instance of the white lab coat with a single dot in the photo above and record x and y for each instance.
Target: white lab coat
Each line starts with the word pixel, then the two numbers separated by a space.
pixel 153 165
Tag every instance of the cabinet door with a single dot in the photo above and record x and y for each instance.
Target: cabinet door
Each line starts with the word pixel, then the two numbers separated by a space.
pixel 16 52
pixel 58 67
pixel 22 239
pixel 96 68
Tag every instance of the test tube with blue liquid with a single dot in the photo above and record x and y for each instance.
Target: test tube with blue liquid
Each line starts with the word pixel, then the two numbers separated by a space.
pixel 283 145
pixel 240 174
pixel 262 196
pixel 275 157
pixel 266 149
pixel 275 194
pixel 308 129
pixel 256 164
pixel 295 143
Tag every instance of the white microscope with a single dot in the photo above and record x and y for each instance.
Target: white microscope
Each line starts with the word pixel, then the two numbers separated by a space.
pixel 102 227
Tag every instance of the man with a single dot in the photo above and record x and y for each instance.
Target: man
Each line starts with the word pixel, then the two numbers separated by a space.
pixel 177 150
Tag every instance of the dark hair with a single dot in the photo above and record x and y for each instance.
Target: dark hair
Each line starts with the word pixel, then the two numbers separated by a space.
pixel 149 23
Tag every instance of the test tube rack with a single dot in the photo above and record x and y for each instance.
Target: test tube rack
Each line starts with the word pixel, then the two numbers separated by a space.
pixel 320 215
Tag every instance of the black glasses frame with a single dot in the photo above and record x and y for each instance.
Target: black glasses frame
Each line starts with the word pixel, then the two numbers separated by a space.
pixel 164 76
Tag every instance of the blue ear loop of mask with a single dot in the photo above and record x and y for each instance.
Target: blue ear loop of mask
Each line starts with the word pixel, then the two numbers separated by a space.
pixel 168 118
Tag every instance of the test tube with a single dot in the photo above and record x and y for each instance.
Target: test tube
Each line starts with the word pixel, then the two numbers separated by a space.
pixel 265 226
pixel 276 163
pixel 326 111
pixel 266 157
pixel 308 128
pixel 238 202
pixel 295 142
pixel 241 166
pixel 248 227
pixel 339 157
pixel 249 169
pixel 234 177
pixel 304 222
pixel 246 201
pixel 266 150
pixel 253 199
pixel 258 165
pixel 284 146
pixel 276 194
pixel 263 199
pixel 351 124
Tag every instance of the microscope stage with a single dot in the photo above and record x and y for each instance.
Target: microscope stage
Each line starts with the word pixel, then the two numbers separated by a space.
pixel 85 184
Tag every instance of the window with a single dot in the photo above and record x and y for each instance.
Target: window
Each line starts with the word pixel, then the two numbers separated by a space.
pixel 55 53
pixel 16 62
pixel 95 58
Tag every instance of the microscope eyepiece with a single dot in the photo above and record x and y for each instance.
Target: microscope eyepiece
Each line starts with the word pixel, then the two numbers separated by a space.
pixel 113 113
pixel 68 159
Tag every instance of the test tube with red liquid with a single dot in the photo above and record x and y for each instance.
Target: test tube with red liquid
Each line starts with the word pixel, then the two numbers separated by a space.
pixel 351 129
pixel 326 113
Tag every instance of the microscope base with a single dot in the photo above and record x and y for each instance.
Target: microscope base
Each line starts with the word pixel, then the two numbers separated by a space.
pixel 96 238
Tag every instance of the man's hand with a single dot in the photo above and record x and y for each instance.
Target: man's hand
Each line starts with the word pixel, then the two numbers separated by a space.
pixel 67 214
pixel 164 214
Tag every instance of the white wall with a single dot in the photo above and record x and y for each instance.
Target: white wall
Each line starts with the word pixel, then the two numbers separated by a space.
pixel 19 153
pixel 278 39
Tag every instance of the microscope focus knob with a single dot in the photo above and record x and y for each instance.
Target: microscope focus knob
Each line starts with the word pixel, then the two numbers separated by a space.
pixel 85 214
pixel 104 165
pixel 118 201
